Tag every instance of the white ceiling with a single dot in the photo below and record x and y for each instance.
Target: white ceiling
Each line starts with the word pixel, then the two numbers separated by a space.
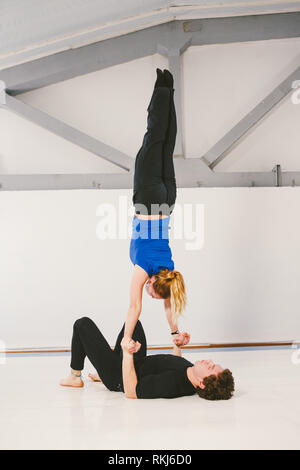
pixel 35 28
pixel 220 85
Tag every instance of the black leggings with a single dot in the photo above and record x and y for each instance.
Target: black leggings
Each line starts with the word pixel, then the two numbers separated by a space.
pixel 88 341
pixel 154 176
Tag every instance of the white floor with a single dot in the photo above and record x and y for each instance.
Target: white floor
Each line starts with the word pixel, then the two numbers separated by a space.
pixel 35 413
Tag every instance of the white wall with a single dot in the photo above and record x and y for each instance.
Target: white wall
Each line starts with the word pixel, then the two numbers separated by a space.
pixel 223 83
pixel 110 105
pixel 242 285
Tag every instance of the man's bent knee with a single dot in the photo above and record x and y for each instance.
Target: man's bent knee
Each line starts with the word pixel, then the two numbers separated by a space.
pixel 82 321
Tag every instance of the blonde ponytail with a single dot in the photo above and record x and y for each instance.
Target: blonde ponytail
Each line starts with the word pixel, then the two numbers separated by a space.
pixel 170 284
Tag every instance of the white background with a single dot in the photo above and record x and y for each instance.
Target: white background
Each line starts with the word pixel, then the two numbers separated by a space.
pixel 243 285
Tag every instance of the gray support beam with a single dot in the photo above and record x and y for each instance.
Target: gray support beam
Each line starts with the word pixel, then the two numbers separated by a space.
pixel 243 28
pixel 2 93
pixel 278 175
pixel 190 173
pixel 230 140
pixel 193 172
pixel 215 9
pixel 175 68
pixel 174 52
pixel 38 182
pixel 67 132
pixel 74 62
pixel 45 28
pixel 82 60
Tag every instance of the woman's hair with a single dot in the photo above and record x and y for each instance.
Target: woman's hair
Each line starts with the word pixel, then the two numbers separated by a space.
pixel 171 284
pixel 218 387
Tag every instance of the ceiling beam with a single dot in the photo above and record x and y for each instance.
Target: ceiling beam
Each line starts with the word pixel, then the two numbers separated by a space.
pixel 171 39
pixel 65 131
pixel 234 137
pixel 190 173
pixel 173 52
pixel 80 61
pixel 41 29
pixel 36 182
pixel 175 68
pixel 97 56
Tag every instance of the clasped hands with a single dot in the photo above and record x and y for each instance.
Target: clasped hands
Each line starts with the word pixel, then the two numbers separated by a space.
pixel 181 339
pixel 130 346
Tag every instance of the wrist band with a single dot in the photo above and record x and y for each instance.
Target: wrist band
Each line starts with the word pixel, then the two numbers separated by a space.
pixel 175 332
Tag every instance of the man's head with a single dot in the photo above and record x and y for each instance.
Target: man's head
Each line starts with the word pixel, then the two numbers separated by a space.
pixel 212 382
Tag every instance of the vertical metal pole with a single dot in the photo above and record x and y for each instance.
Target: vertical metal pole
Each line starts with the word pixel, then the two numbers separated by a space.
pixel 174 52
pixel 175 69
pixel 277 171
pixel 2 93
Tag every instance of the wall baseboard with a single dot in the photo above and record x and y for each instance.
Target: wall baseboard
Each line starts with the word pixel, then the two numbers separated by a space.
pixel 153 348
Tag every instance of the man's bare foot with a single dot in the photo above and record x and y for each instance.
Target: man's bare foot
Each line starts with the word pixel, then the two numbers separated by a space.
pixel 95 377
pixel 72 381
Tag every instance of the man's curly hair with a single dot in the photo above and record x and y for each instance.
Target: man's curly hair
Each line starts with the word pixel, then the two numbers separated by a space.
pixel 217 387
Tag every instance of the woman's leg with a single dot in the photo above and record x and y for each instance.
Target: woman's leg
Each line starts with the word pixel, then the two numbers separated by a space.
pixel 138 335
pixel 148 187
pixel 88 341
pixel 168 150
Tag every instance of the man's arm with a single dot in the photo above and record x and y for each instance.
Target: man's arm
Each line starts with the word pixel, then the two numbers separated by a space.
pixel 129 375
pixel 128 369
pixel 176 350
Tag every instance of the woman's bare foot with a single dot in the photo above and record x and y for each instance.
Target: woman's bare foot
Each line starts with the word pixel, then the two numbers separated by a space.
pixel 72 381
pixel 95 377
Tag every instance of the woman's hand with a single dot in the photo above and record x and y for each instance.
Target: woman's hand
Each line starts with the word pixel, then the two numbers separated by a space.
pixel 129 346
pixel 181 339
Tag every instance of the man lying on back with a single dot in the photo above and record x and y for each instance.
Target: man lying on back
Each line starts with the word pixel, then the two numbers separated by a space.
pixel 127 367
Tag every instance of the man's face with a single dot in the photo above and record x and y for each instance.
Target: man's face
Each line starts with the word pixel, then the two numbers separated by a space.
pixel 204 369
pixel 149 288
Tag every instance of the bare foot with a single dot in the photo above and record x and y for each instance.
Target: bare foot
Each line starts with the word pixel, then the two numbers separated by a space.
pixel 72 381
pixel 95 377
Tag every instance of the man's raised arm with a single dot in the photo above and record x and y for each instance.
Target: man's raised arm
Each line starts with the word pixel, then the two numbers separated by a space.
pixel 128 370
pixel 176 350
pixel 181 340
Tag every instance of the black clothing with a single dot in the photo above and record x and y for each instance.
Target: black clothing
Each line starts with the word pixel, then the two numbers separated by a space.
pixel 154 175
pixel 159 376
pixel 88 341
pixel 160 80
pixel 168 78
pixel 163 376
